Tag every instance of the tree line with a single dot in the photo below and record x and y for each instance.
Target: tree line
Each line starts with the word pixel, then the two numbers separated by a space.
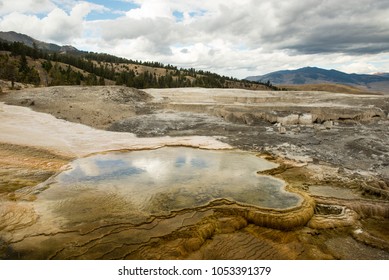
pixel 18 71
pixel 98 68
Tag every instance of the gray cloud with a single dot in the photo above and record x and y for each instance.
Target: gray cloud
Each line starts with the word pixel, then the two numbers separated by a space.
pixel 334 26
pixel 313 26
pixel 226 36
pixel 249 32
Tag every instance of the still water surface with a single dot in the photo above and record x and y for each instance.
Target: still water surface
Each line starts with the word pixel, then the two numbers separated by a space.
pixel 138 184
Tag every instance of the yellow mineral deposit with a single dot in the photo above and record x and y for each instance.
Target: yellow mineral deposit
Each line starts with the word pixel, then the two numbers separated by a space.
pixel 70 190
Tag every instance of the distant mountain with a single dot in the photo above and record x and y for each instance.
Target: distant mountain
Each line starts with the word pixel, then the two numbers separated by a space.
pixel 12 36
pixel 382 74
pixel 314 75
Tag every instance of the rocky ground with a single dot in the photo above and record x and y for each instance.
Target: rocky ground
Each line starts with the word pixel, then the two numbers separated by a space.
pixel 343 129
pixel 333 148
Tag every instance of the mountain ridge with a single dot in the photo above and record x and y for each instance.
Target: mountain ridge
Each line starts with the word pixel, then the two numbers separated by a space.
pixel 29 61
pixel 378 82
pixel 315 75
pixel 12 36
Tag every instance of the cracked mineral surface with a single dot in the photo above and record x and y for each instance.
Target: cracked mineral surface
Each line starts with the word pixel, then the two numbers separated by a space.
pixel 329 149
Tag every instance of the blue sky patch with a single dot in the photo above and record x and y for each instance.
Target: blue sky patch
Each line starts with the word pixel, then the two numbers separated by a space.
pixel 117 9
pixel 178 15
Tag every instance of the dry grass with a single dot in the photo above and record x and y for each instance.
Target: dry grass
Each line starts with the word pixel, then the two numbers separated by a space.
pixel 330 88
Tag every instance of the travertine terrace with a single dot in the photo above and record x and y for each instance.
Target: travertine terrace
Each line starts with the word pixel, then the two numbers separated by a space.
pixel 330 149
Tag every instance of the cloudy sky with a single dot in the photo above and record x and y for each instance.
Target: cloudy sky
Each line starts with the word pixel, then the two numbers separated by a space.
pixel 231 37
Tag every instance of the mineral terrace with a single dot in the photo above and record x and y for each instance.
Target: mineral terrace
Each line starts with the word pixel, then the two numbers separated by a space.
pixel 331 149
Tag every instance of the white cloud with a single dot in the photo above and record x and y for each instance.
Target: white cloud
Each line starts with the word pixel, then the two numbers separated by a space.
pixel 151 9
pixel 237 37
pixel 57 26
pixel 358 67
pixel 26 6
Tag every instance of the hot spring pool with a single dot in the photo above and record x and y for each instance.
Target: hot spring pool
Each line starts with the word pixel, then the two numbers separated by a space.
pixel 138 184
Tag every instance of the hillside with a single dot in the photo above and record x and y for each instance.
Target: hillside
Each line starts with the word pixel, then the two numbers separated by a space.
pixel 33 43
pixel 314 75
pixel 26 60
pixel 339 88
